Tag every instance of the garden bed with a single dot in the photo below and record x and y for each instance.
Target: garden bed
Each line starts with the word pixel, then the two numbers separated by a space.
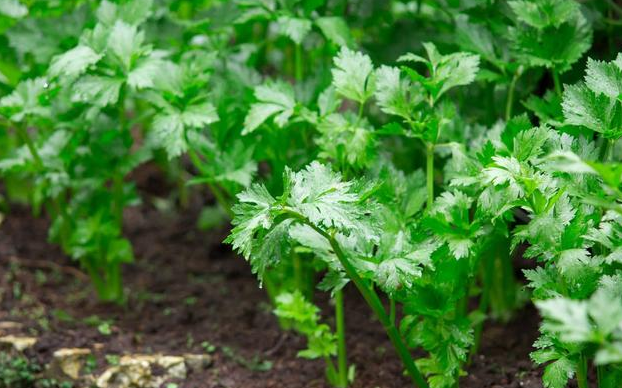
pixel 189 294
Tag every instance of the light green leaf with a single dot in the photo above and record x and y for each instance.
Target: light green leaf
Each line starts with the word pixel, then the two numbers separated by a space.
pixel 335 29
pixel 143 75
pixel 544 13
pixel 74 62
pixel 13 9
pixel 97 90
pixel 566 318
pixel 605 78
pixel 294 28
pixel 353 75
pixel 393 93
pixel 168 132
pixel 275 99
pixel 124 43
pixel 200 115
pixel 597 112
pixel 557 374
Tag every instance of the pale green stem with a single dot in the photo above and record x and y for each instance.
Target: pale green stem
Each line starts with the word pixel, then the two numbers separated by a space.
pixel 430 173
pixel 298 62
pixel 374 303
pixel 342 359
pixel 557 83
pixel 510 100
pixel 582 373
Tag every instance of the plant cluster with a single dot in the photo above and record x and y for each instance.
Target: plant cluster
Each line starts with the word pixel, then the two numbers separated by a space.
pixel 414 170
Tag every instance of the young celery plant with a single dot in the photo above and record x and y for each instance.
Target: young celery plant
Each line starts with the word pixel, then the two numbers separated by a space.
pixel 319 210
pixel 415 100
pixel 577 245
pixel 93 81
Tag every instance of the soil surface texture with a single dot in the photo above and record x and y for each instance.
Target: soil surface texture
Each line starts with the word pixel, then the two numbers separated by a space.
pixel 188 293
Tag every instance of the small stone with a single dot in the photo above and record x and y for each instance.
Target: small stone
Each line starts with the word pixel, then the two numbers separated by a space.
pixel 174 365
pixel 68 362
pixel 128 374
pixel 8 325
pixel 197 362
pixel 11 342
pixel 136 370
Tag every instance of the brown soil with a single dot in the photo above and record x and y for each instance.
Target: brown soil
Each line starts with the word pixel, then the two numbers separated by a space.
pixel 186 288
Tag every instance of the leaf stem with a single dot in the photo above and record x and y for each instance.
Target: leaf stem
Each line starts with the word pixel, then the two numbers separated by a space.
pixel 430 174
pixel 342 359
pixel 58 210
pixel 220 197
pixel 607 149
pixel 511 89
pixel 298 273
pixel 298 62
pixel 373 301
pixel 582 372
pixel 392 310
pixel 557 83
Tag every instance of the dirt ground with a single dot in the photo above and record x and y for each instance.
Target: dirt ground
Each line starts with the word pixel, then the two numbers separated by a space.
pixel 189 293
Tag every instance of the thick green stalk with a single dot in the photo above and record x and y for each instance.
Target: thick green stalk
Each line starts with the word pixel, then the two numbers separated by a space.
pixel 557 83
pixel 607 149
pixel 510 99
pixel 374 303
pixel 484 302
pixel 58 210
pixel 392 311
pixel 430 173
pixel 298 273
pixel 342 359
pixel 298 62
pixel 117 195
pixel 582 373
pixel 23 134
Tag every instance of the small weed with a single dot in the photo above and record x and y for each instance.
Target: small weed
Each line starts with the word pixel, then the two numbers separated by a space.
pixel 208 347
pixel 113 359
pixel 255 363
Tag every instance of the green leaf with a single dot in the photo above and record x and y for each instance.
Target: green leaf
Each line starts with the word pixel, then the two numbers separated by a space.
pixel 395 95
pixel 13 9
pixel 346 140
pixel 132 12
pixel 353 75
pixel 144 73
pixel 452 70
pixel 124 43
pixel 168 132
pixel 335 29
pixel 582 106
pixel 275 99
pixel 605 78
pixel 96 90
pixel 475 38
pixel 25 100
pixel 447 71
pixel 557 374
pixel 566 318
pixel 199 115
pixel 321 342
pixel 294 28
pixel 74 62
pixel 325 199
pixel 544 13
pixel 401 261
pixel 252 213
pixel 536 48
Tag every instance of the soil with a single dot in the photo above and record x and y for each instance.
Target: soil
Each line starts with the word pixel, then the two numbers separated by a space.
pixel 186 288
